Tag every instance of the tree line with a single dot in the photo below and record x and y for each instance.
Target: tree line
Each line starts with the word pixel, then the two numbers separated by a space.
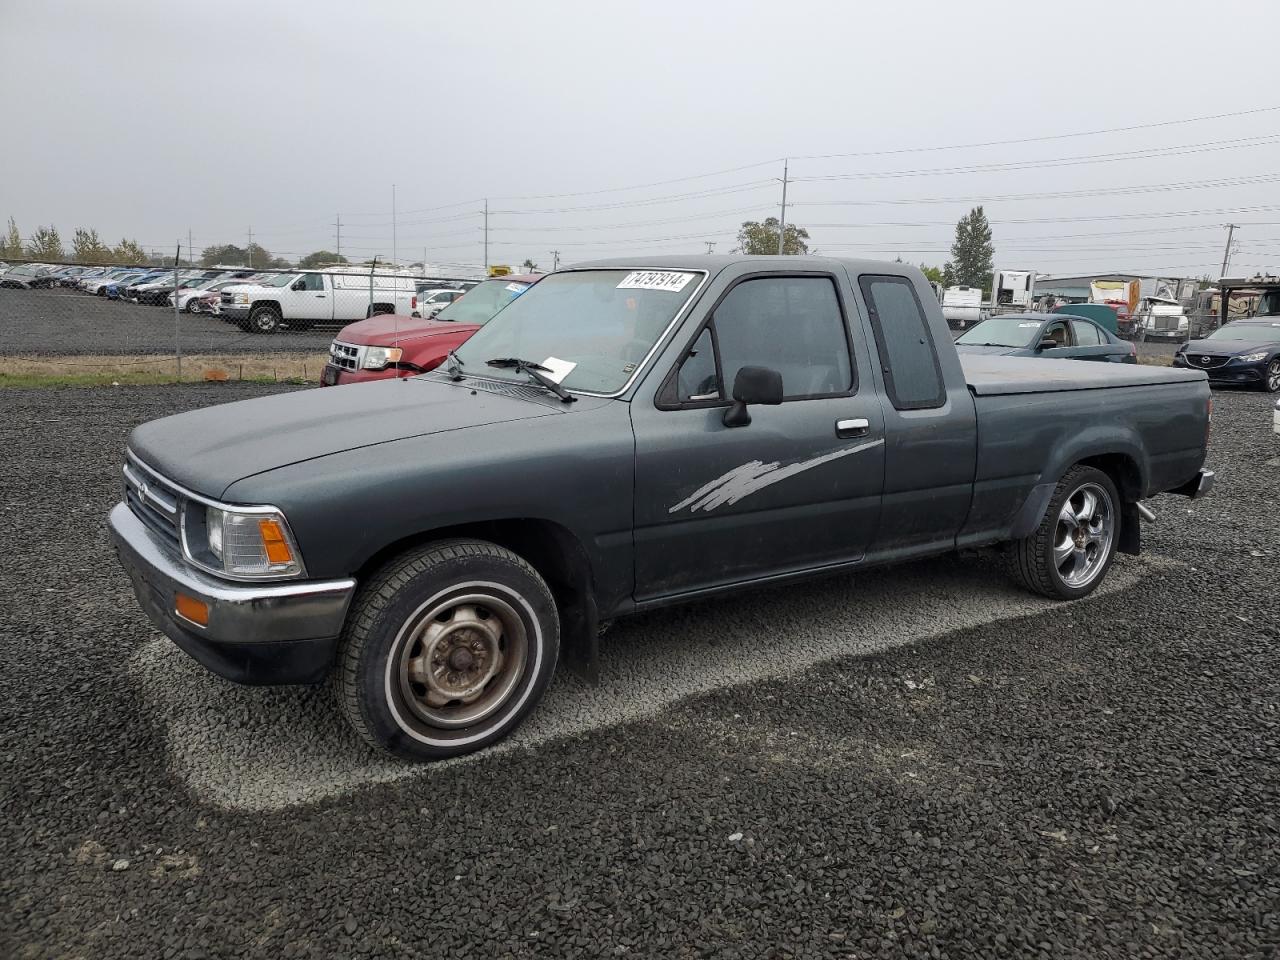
pixel 972 253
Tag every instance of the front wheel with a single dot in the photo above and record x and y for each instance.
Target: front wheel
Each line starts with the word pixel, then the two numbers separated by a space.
pixel 264 319
pixel 446 650
pixel 1070 552
pixel 1271 382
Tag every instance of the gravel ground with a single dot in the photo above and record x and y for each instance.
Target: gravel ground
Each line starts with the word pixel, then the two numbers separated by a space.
pixel 41 323
pixel 916 762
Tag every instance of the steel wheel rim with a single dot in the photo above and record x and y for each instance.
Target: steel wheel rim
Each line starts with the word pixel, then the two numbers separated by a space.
pixel 1083 535
pixel 459 661
pixel 1273 376
pixel 265 322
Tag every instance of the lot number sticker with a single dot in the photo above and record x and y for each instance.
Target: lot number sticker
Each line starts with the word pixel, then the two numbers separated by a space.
pixel 655 280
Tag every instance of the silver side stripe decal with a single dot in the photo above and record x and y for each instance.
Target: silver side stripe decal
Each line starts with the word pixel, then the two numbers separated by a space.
pixel 754 476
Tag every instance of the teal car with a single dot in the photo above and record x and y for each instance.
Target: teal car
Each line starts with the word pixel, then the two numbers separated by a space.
pixel 1052 335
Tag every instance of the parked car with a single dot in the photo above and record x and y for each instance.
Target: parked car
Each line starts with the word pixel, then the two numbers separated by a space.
pixel 124 289
pixel 427 303
pixel 304 298
pixel 626 435
pixel 158 290
pixel 1053 336
pixel 193 298
pixel 1243 353
pixel 24 276
pixel 97 285
pixel 387 345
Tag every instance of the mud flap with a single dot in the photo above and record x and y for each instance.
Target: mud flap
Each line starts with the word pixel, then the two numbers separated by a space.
pixel 580 637
pixel 1130 541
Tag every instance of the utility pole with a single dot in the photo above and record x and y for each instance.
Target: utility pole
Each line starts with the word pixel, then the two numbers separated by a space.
pixel 191 254
pixel 782 220
pixel 1226 254
pixel 555 260
pixel 393 226
pixel 486 236
pixel 250 250
pixel 337 225
pixel 711 244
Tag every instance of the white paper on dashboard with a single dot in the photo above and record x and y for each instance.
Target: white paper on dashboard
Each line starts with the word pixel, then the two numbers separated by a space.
pixel 557 369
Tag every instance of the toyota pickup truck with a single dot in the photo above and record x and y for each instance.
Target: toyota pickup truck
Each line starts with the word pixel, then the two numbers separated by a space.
pixel 627 434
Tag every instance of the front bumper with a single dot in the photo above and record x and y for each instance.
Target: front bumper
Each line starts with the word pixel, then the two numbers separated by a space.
pixel 334 375
pixel 269 633
pixel 233 311
pixel 1233 371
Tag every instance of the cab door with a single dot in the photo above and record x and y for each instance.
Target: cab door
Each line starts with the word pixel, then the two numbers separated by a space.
pixel 311 297
pixel 798 487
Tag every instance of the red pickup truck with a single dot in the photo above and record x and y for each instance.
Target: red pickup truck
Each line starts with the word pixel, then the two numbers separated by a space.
pixel 388 345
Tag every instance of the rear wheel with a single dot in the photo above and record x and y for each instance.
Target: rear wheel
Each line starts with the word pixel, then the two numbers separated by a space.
pixel 1070 552
pixel 446 650
pixel 264 319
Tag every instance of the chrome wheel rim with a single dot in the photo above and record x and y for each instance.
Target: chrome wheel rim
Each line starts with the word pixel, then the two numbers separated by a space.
pixel 265 322
pixel 1085 529
pixel 1273 376
pixel 458 661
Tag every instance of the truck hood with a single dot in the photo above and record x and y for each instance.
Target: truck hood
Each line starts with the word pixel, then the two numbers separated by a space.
pixel 209 449
pixel 387 329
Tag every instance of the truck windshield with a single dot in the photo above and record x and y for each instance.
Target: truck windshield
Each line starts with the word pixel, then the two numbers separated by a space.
pixel 281 281
pixel 591 328
pixel 482 302
pixel 1269 304
pixel 1001 332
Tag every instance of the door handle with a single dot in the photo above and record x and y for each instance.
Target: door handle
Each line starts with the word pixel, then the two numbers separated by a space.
pixel 320 295
pixel 857 427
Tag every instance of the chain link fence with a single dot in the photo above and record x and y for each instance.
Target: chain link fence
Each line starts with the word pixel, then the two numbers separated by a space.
pixel 114 321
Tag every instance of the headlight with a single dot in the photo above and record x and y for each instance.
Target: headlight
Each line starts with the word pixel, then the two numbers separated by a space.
pixel 1252 357
pixel 379 358
pixel 242 298
pixel 251 544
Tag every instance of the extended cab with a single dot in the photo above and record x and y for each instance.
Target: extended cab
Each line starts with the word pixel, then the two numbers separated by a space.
pixel 391 345
pixel 627 434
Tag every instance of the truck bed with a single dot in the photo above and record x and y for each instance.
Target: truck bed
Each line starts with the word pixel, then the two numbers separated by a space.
pixel 994 376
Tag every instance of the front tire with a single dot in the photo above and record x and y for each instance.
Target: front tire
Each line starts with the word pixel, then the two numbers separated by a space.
pixel 264 319
pixel 447 648
pixel 1271 380
pixel 1069 554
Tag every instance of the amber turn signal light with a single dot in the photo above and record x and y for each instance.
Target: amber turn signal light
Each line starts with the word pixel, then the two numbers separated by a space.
pixel 189 608
pixel 274 542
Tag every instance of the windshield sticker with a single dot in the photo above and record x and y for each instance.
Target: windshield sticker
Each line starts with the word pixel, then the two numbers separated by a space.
pixel 516 287
pixel 655 280
pixel 1033 324
pixel 557 369
pixel 754 476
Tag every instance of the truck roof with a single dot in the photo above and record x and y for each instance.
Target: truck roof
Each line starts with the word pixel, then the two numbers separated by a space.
pixel 713 262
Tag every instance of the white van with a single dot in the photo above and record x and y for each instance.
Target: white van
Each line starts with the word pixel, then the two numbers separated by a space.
pixel 962 306
pixel 304 298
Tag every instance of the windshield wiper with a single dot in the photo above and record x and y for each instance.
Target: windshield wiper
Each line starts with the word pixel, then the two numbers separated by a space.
pixel 535 372
pixel 454 364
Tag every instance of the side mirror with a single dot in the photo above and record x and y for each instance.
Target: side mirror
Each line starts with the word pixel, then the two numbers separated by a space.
pixel 752 385
pixel 1046 344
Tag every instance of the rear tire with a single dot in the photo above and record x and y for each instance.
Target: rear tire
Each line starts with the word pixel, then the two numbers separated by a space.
pixel 446 650
pixel 1071 550
pixel 264 319
pixel 1271 379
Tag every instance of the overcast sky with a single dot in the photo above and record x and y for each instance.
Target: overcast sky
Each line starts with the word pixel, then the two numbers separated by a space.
pixel 147 120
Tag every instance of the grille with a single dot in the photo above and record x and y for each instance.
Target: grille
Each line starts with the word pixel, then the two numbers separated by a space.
pixel 1206 362
pixel 227 299
pixel 344 355
pixel 152 499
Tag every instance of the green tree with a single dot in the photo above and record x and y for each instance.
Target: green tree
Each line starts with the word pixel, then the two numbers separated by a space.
pixel 129 251
pixel 761 239
pixel 86 247
pixel 529 266
pixel 12 248
pixel 972 254
pixel 933 274
pixel 45 244
pixel 320 258
pixel 224 253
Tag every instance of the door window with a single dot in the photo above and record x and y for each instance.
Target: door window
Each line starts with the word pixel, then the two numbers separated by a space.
pixel 1057 332
pixel 790 324
pixel 1086 334
pixel 912 375
pixel 312 281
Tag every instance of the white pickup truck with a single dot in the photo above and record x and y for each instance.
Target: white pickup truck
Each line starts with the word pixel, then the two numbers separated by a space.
pixel 304 298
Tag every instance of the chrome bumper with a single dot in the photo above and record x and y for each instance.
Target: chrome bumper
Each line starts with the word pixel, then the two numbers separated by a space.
pixel 257 633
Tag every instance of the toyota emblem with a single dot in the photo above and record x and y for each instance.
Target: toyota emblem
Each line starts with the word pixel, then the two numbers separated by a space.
pixel 142 492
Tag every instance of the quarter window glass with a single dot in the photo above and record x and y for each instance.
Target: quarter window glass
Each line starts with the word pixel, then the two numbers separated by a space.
pixel 698 379
pixel 910 363
pixel 790 324
pixel 1086 333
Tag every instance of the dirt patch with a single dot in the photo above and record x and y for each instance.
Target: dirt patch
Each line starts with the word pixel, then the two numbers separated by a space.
pixel 96 370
